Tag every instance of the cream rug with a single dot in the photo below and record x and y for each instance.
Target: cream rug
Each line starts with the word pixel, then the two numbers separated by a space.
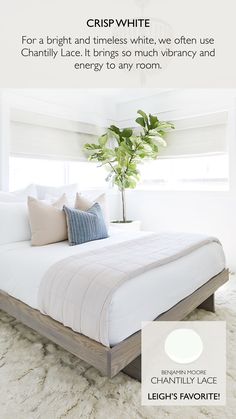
pixel 40 380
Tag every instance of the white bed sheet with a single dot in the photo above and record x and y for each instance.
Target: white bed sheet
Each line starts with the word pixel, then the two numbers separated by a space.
pixel 139 299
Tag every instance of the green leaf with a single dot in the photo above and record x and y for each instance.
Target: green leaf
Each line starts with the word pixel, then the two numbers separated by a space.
pixel 141 122
pixel 153 121
pixel 115 129
pixel 91 146
pixel 127 132
pixel 161 132
pixel 143 114
pixel 103 140
pixel 130 183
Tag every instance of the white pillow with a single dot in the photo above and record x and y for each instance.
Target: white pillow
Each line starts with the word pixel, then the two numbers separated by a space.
pixel 56 191
pixel 18 196
pixel 49 199
pixel 14 221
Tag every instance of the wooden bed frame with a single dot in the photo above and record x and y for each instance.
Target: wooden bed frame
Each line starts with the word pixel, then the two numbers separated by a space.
pixel 125 356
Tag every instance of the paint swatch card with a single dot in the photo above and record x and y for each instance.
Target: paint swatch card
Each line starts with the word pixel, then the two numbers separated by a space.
pixel 184 363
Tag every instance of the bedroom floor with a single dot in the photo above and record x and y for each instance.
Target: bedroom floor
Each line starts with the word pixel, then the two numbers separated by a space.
pixel 40 380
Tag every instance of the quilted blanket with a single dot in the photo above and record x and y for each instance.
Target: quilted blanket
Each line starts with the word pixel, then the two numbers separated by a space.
pixel 78 290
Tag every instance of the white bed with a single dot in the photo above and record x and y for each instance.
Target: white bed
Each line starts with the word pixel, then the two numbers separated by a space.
pixel 23 266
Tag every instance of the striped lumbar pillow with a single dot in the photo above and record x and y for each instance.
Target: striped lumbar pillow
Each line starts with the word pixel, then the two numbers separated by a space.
pixel 84 226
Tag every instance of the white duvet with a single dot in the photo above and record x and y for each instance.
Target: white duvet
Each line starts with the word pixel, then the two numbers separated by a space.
pixel 144 297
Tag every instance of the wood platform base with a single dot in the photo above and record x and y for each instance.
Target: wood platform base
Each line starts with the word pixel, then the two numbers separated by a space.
pixel 123 356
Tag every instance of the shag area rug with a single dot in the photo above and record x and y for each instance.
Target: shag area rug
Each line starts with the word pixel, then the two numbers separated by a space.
pixel 40 380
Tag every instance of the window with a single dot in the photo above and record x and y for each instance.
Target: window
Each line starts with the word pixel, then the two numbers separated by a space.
pixel 87 174
pixel 24 171
pixel 208 172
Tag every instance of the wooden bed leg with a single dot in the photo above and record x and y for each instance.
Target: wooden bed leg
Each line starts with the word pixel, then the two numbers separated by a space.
pixel 208 304
pixel 133 369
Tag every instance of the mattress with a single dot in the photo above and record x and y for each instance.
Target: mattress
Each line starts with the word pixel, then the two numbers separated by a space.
pixel 140 299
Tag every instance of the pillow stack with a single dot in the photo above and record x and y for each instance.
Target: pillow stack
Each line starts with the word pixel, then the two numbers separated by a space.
pixel 86 221
pixel 45 192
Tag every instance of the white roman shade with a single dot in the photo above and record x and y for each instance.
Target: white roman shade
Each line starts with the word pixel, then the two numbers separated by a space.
pixel 45 136
pixel 197 135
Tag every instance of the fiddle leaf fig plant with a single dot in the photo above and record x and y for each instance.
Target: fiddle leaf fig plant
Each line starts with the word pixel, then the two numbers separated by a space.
pixel 122 150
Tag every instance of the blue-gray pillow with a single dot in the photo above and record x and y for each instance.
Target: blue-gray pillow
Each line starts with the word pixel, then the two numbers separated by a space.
pixel 84 226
